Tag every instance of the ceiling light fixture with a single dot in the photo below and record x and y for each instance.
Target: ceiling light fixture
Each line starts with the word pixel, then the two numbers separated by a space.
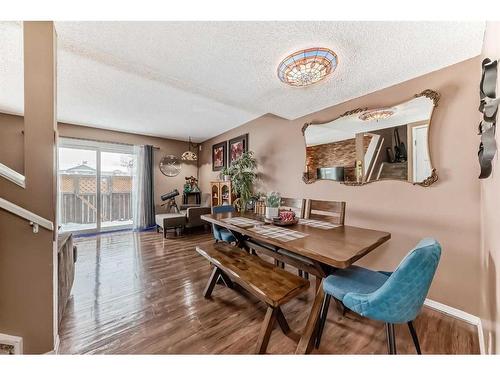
pixel 189 155
pixel 308 66
pixel 376 114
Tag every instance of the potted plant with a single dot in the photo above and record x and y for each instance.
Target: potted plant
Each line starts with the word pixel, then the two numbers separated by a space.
pixel 243 175
pixel 273 201
pixel 226 175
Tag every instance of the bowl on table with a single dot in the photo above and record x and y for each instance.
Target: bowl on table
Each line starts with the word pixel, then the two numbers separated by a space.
pixel 286 217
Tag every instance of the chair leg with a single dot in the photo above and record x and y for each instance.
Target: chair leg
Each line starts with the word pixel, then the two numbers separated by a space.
pixel 322 319
pixel 300 273
pixel 317 283
pixel 266 330
pixel 391 338
pixel 414 337
pixel 211 282
pixel 306 275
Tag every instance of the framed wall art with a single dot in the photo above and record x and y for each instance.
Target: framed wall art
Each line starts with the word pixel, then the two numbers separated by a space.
pixel 237 146
pixel 219 156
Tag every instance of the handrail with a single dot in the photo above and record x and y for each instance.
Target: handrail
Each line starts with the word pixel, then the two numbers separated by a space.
pixel 34 219
pixel 12 175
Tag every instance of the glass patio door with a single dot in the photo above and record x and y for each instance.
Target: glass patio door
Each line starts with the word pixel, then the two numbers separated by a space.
pixel 95 186
pixel 116 190
pixel 77 189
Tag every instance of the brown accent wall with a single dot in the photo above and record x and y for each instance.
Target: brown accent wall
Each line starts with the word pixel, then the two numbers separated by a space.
pixel 490 223
pixel 12 142
pixel 448 210
pixel 27 259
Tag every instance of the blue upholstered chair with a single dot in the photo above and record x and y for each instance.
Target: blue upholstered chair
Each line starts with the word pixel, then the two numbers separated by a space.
pixel 220 233
pixel 390 297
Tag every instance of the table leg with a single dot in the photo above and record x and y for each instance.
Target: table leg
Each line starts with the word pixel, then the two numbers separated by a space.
pixel 307 340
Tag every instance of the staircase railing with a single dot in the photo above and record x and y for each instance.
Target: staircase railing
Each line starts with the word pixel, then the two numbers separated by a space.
pixel 35 220
pixel 12 175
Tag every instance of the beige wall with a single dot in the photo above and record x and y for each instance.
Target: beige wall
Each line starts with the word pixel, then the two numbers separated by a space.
pixel 490 220
pixel 448 211
pixel 27 259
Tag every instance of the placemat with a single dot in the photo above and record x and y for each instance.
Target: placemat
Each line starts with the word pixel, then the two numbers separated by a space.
pixel 242 222
pixel 278 233
pixel 318 224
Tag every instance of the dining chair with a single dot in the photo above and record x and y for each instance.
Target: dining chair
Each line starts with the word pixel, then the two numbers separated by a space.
pixel 297 205
pixel 391 297
pixel 220 233
pixel 331 211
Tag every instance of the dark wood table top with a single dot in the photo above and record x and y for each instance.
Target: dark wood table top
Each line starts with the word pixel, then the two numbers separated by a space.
pixel 338 247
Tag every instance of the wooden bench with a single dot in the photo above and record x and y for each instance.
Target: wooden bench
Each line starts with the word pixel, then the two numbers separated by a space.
pixel 268 283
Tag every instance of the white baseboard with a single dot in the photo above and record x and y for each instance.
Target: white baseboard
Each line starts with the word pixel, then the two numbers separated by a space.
pixel 462 315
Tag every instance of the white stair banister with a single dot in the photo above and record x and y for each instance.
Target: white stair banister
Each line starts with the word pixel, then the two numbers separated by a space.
pixel 12 175
pixel 35 220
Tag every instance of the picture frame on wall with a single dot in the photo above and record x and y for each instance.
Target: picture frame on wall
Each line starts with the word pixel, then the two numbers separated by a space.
pixel 219 156
pixel 237 146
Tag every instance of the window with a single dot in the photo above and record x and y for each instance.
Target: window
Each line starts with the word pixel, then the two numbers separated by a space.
pixel 95 185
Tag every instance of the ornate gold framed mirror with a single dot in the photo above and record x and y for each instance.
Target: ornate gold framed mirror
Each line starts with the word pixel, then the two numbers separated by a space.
pixel 366 145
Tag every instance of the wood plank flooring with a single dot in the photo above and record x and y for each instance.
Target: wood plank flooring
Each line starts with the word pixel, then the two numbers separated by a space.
pixel 136 293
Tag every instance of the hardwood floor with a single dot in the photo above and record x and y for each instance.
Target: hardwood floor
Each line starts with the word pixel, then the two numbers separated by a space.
pixel 136 293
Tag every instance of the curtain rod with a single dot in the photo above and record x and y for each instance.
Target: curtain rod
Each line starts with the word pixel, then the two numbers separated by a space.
pixel 96 140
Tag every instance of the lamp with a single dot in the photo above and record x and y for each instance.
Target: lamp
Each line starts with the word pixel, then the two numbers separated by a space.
pixel 308 66
pixel 189 155
pixel 377 114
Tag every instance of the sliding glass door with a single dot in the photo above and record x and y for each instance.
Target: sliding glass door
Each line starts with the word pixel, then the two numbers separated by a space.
pixel 116 189
pixel 95 186
pixel 77 189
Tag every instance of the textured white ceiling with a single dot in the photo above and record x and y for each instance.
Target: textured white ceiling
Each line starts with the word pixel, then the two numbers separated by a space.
pixel 199 79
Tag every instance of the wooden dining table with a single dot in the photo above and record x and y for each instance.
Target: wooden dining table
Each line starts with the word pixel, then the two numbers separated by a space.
pixel 319 250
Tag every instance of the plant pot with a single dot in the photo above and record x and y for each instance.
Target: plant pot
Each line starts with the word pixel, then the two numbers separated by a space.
pixel 272 212
pixel 226 178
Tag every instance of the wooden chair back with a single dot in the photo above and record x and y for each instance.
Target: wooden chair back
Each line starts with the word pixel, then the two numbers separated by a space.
pixel 331 211
pixel 297 205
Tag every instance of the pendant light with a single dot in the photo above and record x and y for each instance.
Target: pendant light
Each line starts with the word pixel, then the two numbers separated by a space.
pixel 189 155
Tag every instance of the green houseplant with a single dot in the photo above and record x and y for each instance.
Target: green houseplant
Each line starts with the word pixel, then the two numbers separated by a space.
pixel 243 175
pixel 225 174
pixel 273 201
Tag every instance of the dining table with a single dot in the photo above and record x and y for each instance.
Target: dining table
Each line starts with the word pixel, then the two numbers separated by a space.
pixel 313 246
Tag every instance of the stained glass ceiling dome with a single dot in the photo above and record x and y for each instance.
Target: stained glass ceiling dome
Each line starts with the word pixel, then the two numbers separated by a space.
pixel 308 66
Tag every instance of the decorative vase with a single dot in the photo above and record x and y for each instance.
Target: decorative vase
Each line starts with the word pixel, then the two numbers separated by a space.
pixel 272 212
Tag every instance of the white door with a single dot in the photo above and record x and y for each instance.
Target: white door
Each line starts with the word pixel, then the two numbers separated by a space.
pixel 421 162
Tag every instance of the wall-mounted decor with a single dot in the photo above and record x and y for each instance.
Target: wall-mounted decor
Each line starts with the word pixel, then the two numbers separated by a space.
pixel 219 158
pixel 366 145
pixel 308 66
pixel 170 165
pixel 489 109
pixel 237 146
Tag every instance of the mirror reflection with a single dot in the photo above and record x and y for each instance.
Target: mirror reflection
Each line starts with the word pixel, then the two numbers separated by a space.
pixel 367 145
